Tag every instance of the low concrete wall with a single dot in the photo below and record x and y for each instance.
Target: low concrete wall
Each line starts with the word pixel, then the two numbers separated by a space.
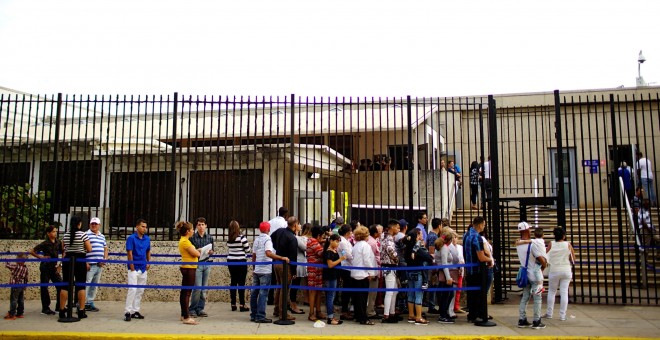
pixel 162 275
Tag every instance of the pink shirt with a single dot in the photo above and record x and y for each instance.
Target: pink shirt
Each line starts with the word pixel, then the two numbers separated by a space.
pixel 375 247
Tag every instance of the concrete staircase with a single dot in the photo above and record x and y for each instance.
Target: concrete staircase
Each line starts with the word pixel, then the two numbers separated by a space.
pixel 594 234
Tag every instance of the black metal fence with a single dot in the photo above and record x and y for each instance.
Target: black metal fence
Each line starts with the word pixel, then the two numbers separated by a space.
pixel 553 161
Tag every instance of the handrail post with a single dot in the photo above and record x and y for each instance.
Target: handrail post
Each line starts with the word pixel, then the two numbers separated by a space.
pixel 69 308
pixel 483 294
pixel 284 297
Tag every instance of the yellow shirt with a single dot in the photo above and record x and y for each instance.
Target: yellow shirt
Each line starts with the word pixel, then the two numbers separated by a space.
pixel 184 244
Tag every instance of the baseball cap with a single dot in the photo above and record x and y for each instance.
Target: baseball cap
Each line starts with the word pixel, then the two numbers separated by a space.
pixel 95 220
pixel 523 226
pixel 403 222
pixel 264 227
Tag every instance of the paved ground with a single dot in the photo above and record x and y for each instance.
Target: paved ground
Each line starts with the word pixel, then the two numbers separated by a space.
pixel 584 321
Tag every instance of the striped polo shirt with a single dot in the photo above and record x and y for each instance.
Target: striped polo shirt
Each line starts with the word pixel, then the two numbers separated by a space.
pixel 98 246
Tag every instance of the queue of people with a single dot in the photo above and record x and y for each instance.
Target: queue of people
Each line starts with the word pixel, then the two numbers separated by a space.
pixel 352 256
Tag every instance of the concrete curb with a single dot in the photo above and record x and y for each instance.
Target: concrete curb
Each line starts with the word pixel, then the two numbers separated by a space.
pixel 11 335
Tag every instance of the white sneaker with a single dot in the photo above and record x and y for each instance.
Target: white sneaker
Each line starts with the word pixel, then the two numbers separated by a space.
pixel 546 316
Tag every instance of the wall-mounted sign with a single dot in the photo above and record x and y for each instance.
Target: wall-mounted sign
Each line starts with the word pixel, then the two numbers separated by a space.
pixel 593 165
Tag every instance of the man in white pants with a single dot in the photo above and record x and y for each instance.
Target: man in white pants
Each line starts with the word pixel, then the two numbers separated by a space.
pixel 138 249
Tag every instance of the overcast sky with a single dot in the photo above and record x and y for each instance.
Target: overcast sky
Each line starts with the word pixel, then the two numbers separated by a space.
pixel 325 48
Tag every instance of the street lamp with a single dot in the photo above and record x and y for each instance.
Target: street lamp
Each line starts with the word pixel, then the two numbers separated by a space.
pixel 640 60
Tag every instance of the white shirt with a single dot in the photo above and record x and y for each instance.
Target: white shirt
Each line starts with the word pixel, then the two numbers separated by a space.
pixel 559 257
pixel 363 256
pixel 262 244
pixel 277 223
pixel 487 169
pixel 346 249
pixel 644 165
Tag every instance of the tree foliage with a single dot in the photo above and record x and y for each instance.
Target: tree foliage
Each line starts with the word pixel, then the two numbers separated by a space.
pixel 23 214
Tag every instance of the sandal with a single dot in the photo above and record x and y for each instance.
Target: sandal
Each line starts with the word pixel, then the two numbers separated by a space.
pixel 368 322
pixel 296 311
pixel 334 322
pixel 190 321
pixel 320 315
pixel 312 318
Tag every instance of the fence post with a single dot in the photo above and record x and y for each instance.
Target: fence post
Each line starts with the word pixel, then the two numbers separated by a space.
pixel 56 147
pixel 173 161
pixel 284 296
pixel 69 301
pixel 496 226
pixel 292 164
pixel 561 205
pixel 411 161
pixel 619 219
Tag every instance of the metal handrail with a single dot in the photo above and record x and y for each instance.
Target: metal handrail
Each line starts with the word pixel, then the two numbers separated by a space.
pixel 624 198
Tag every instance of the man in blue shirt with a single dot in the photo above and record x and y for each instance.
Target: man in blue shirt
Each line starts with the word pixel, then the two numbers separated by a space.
pixel 626 176
pixel 422 221
pixel 138 249
pixel 473 252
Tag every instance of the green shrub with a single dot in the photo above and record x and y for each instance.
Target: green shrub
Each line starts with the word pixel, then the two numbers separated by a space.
pixel 24 214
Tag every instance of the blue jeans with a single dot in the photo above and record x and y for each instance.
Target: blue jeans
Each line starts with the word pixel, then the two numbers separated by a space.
pixel 415 281
pixel 647 184
pixel 259 297
pixel 330 298
pixel 16 301
pixel 538 299
pixel 93 276
pixel 198 299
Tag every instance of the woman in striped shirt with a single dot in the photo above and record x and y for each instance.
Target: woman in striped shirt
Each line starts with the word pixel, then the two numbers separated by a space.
pixel 76 246
pixel 238 247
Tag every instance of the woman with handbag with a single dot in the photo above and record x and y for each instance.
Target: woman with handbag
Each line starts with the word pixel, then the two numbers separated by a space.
pixel 561 257
pixel 446 278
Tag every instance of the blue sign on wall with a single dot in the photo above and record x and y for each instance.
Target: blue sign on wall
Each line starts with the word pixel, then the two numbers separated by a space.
pixel 593 165
pixel 590 162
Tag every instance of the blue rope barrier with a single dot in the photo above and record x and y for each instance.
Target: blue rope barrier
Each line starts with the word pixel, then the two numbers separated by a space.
pixel 65 259
pixel 21 285
pixel 176 255
pixel 120 285
pixel 450 266
pixel 246 263
pixel 384 289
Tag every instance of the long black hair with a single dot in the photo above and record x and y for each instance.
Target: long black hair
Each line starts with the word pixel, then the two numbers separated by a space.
pixel 333 237
pixel 73 227
pixel 409 242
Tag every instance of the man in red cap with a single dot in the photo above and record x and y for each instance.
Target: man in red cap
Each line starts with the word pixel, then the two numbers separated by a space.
pixel 262 251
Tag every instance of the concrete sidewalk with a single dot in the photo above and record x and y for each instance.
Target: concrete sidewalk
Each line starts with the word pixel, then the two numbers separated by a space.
pixel 162 318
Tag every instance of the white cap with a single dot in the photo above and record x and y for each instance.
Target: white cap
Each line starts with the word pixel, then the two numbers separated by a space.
pixel 95 220
pixel 523 226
